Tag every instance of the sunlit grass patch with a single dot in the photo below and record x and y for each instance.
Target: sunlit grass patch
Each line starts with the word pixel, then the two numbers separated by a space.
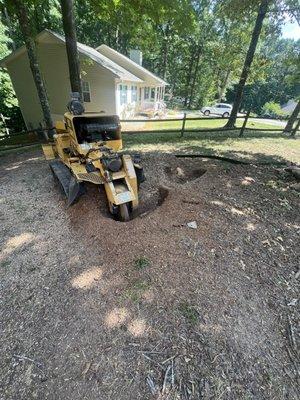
pixel 189 312
pixel 141 263
pixel 255 146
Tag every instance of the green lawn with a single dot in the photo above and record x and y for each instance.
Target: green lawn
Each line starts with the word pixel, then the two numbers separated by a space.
pixel 200 124
pixel 259 146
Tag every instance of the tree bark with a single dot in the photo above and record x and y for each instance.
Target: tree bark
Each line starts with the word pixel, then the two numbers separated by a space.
pixel 263 8
pixel 289 126
pixel 25 27
pixel 165 49
pixel 199 50
pixel 188 78
pixel 295 130
pixel 71 45
pixel 223 86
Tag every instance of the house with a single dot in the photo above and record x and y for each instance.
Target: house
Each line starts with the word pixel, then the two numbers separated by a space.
pixel 111 82
pixel 289 107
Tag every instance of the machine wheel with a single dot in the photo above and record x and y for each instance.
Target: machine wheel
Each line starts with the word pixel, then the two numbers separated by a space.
pixel 206 112
pixel 123 212
pixel 225 115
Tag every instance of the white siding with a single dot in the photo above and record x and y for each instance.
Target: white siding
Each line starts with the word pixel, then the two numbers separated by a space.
pixel 102 86
pixel 54 67
pixel 23 84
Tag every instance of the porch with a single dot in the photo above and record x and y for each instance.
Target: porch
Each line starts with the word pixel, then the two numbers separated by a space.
pixel 133 99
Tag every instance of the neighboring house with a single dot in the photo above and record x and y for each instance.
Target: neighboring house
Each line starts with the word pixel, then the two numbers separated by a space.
pixel 111 82
pixel 289 107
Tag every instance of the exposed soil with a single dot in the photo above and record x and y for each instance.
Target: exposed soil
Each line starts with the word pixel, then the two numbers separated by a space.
pixel 92 308
pixel 184 173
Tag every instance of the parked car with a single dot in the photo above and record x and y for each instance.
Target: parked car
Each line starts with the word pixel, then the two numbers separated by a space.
pixel 218 109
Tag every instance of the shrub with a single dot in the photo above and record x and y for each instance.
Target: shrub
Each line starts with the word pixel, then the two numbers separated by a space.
pixel 273 109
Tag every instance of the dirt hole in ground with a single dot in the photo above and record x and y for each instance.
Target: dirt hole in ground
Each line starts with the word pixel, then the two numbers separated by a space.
pixel 150 201
pixel 93 204
pixel 183 174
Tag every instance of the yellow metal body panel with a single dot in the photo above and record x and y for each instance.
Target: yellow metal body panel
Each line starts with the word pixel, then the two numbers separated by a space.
pixel 131 176
pixel 116 145
pixel 77 168
pixel 62 141
pixel 48 150
pixel 119 193
pixel 60 126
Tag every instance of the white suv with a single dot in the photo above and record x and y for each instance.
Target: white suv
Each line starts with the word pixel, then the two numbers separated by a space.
pixel 218 109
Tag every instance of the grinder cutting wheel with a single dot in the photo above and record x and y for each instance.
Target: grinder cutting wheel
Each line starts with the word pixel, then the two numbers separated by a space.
pixel 85 149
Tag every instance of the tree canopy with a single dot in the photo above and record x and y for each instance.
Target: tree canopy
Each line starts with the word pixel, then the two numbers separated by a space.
pixel 198 46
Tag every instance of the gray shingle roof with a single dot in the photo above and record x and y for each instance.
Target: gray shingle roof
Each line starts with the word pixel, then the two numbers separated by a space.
pixel 99 58
pixel 136 69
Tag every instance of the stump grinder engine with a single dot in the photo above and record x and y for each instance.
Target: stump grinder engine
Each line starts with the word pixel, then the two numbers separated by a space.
pixel 85 149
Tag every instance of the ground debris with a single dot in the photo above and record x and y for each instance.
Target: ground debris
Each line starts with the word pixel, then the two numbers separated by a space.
pixel 153 388
pixel 192 225
pixel 142 310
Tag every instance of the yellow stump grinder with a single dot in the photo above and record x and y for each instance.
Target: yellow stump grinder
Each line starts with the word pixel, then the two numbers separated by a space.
pixel 85 149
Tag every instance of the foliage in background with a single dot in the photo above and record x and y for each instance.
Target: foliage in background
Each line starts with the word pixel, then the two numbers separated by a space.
pixel 280 81
pixel 8 101
pixel 272 109
pixel 198 46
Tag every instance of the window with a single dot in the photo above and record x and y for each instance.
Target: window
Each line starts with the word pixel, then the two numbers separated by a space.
pixel 86 92
pixel 146 93
pixel 223 106
pixel 123 94
pixel 159 93
pixel 133 93
pixel 152 93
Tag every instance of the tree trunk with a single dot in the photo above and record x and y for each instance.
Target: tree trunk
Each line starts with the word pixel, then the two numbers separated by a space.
pixel 165 49
pixel 195 76
pixel 223 86
pixel 263 8
pixel 289 126
pixel 295 130
pixel 188 78
pixel 71 45
pixel 25 27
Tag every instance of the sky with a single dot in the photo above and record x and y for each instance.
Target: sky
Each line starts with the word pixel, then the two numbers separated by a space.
pixel 291 30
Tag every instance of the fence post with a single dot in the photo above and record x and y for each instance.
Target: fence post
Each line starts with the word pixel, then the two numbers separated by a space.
pixel 244 124
pixel 183 125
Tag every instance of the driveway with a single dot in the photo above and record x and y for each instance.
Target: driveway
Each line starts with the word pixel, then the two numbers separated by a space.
pixel 269 121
